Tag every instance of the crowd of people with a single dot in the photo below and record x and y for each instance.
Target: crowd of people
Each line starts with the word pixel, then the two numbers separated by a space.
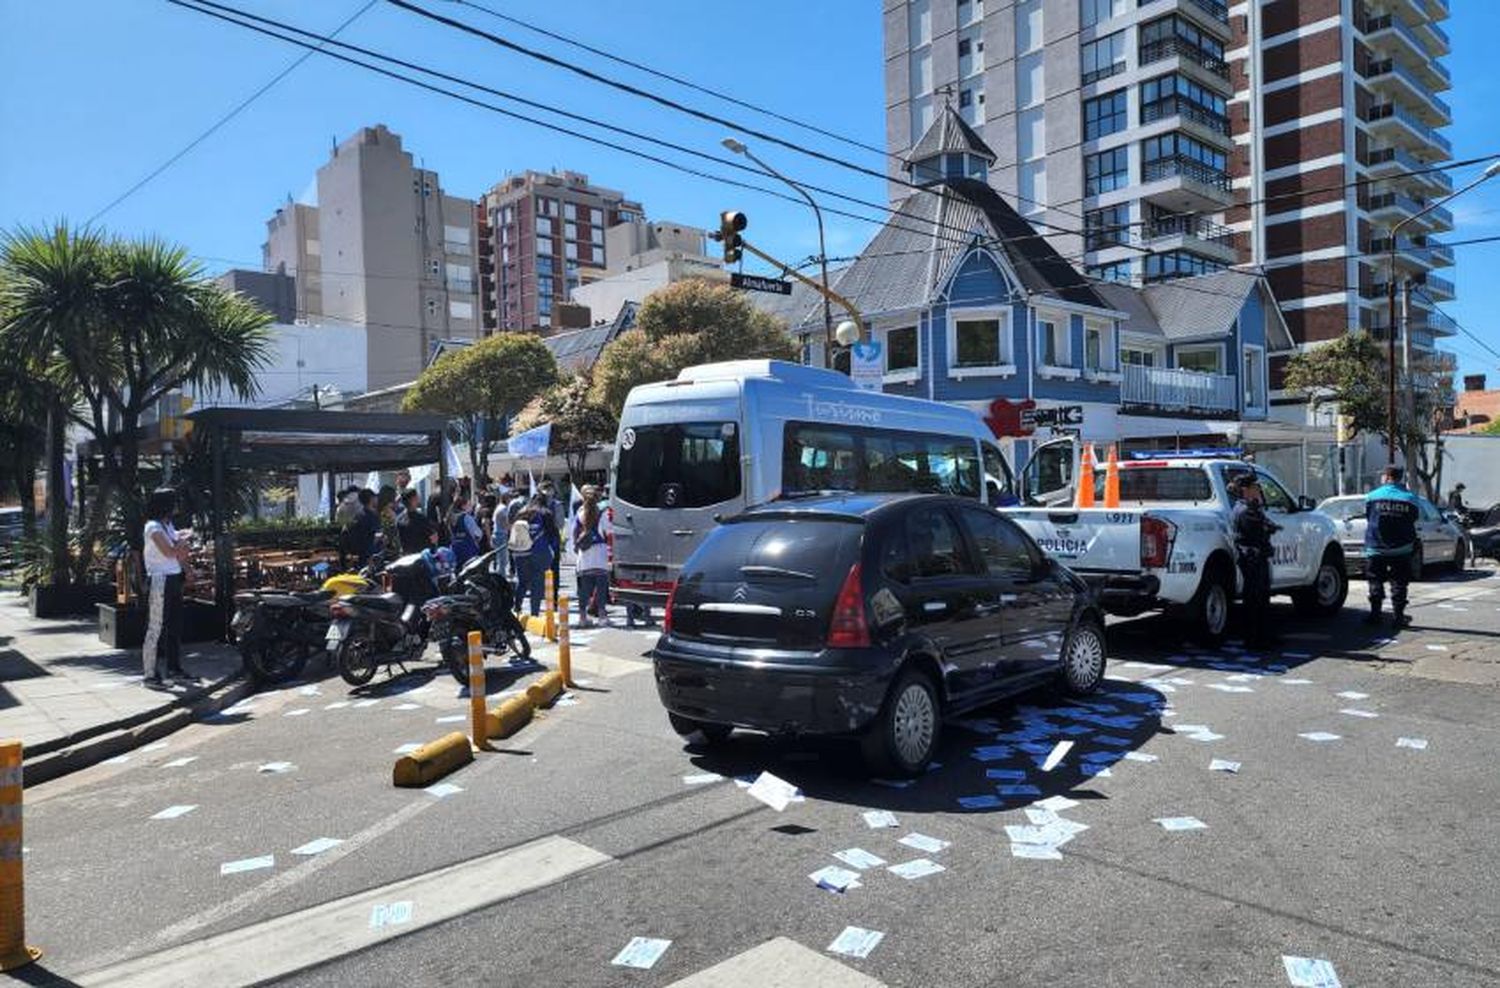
pixel 528 530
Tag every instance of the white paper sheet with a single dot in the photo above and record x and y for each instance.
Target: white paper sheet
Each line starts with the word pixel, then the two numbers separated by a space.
pixel 879 819
pixel 920 868
pixel 641 953
pixel 855 942
pixel 859 859
pixel 774 792
pixel 921 842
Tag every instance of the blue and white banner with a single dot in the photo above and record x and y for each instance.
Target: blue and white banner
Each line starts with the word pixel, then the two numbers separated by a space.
pixel 532 442
pixel 450 459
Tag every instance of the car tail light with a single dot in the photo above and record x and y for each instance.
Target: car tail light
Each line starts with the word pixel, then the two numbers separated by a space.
pixel 666 616
pixel 848 628
pixel 1156 542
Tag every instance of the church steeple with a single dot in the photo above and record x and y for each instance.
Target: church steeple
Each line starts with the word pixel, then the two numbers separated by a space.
pixel 949 149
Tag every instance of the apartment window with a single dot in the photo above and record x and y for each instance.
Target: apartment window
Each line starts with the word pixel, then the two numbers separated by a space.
pixel 1098 345
pixel 1028 26
pixel 1174 94
pixel 1250 375
pixel 596 216
pixel 504 255
pixel 1104 57
pixel 596 236
pixel 314 248
pixel 459 274
pixel 432 307
pixel 965 47
pixel 544 305
pixel 1137 358
pixel 1052 340
pixel 1178 264
pixel 545 286
pixel 434 267
pixel 1178 154
pixel 901 350
pixel 1104 115
pixel 544 245
pixel 570 211
pixel 919 22
pixel 970 54
pixel 1106 171
pixel 1168 36
pixel 921 116
pixel 980 340
pixel 1094 11
pixel 571 250
pixel 508 215
pixel 1118 271
pixel 1107 227
pixel 970 11
pixel 921 71
pixel 461 310
pixel 570 231
pixel 546 206
pixel 1203 359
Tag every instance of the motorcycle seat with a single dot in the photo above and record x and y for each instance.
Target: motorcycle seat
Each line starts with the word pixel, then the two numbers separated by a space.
pixel 378 601
pixel 297 598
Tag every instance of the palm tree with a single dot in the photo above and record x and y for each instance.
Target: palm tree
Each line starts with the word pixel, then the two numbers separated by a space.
pixel 120 323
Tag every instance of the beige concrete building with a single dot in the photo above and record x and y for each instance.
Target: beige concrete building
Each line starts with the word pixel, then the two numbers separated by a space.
pixel 642 257
pixel 385 248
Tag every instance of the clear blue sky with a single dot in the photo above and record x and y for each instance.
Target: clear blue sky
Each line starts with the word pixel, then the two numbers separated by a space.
pixel 96 93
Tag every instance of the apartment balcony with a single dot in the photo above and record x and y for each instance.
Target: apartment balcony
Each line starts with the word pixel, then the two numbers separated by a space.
pixel 1392 80
pixel 1190 117
pixel 1209 14
pixel 1181 391
pixel 1416 254
pixel 1437 9
pixel 1438 289
pixel 1401 165
pixel 1435 38
pixel 1392 37
pixel 1196 61
pixel 1392 123
pixel 1185 185
pixel 1439 253
pixel 1394 207
pixel 1192 233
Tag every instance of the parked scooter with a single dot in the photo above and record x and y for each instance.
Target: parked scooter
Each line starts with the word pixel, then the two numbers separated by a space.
pixel 479 601
pixel 278 631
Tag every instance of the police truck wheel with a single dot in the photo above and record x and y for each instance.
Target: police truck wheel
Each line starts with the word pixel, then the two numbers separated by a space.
pixel 1208 612
pixel 1329 588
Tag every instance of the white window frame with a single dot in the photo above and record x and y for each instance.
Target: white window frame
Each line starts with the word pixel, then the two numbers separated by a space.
pixel 1002 316
pixel 1217 348
pixel 1109 350
pixel 905 375
pixel 570 211
pixel 460 310
pixel 1253 355
pixel 1158 355
pixel 1064 369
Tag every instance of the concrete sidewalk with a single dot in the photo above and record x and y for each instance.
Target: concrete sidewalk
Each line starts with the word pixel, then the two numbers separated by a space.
pixel 60 686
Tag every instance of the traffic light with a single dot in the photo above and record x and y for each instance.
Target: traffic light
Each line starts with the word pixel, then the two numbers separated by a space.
pixel 174 406
pixel 730 225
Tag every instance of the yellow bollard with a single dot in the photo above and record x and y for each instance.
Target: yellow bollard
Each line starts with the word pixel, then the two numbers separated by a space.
pixel 477 689
pixel 549 615
pixel 13 950
pixel 432 761
pixel 564 648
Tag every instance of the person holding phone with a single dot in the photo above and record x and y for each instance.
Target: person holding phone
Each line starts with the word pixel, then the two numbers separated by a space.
pixel 165 553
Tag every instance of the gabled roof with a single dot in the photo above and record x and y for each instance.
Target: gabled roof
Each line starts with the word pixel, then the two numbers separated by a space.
pixel 1208 305
pixel 1129 300
pixel 949 133
pixel 577 351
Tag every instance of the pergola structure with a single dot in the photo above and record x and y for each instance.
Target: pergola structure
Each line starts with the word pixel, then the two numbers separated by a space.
pixel 306 441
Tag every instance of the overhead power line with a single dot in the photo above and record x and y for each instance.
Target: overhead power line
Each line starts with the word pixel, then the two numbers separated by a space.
pixel 229 115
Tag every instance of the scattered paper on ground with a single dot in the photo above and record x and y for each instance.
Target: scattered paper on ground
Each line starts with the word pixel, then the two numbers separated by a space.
pixel 642 953
pixel 855 942
pixel 921 842
pixel 452 719
pixel 179 762
pixel 247 864
pixel 919 868
pixel 1420 744
pixel 443 789
pixel 1305 972
pixel 876 819
pixel 1057 803
pixel 702 779
pixel 1039 852
pixel 835 879
pixel 407 748
pixel 407 706
pixel 1059 751
pixel 774 792
pixel 1352 712
pixel 859 859
pixel 297 713
pixel 1320 736
pixel 1180 823
pixel 390 914
pixel 276 768
pixel 1223 765
pixel 366 703
pixel 1140 756
pixel 1352 695
pixel 317 846
pixel 337 705
pixel 173 812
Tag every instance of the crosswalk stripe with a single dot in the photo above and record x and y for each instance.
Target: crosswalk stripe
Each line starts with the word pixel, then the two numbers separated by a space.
pixel 779 963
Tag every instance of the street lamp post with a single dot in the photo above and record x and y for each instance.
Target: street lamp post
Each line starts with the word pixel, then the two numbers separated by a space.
pixel 738 147
pixel 1390 294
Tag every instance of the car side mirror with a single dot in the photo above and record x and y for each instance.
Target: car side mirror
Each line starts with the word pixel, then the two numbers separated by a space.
pixel 1305 503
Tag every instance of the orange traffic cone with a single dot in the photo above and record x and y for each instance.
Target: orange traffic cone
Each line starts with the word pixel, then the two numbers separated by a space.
pixel 1112 481
pixel 1085 498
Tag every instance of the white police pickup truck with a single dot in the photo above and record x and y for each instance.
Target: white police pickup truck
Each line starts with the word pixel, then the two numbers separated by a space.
pixel 1168 545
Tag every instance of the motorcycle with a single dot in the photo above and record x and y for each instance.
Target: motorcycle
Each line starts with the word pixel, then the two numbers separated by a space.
pixel 279 631
pixel 482 601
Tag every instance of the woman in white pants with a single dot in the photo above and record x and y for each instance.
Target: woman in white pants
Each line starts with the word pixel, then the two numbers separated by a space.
pixel 164 553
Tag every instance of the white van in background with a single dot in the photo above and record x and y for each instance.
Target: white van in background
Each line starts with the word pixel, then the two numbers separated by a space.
pixel 723 437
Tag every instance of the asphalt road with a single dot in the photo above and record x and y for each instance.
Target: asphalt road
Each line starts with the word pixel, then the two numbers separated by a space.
pixel 1378 858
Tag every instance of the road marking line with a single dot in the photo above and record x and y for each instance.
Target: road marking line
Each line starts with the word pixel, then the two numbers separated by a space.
pixel 779 963
pixel 278 947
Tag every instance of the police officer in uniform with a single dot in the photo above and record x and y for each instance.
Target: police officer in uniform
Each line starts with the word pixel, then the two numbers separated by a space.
pixel 1252 546
pixel 1390 539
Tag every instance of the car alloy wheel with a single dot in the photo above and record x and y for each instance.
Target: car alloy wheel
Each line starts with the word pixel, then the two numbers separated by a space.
pixel 1329 585
pixel 1216 609
pixel 1083 660
pixel 913 723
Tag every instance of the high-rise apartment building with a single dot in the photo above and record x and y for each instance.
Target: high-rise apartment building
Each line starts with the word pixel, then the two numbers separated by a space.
pixel 1162 138
pixel 385 248
pixel 541 235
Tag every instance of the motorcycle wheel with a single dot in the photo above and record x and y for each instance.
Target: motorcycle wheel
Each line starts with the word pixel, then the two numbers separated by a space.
pixel 515 640
pixel 275 661
pixel 356 658
pixel 455 650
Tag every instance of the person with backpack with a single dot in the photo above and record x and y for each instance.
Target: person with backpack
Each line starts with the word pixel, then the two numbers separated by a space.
pixel 532 548
pixel 499 521
pixel 589 534
pixel 466 532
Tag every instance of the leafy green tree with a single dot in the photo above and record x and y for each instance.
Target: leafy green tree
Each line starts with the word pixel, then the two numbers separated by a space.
pixel 117 325
pixel 691 322
pixel 481 385
pixel 1351 374
pixel 578 421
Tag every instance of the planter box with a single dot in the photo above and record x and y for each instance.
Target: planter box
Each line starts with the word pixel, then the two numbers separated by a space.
pixel 70 601
pixel 125 627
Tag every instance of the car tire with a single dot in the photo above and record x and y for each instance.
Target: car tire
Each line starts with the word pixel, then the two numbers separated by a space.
pixel 356 658
pixel 1083 658
pixel 712 733
pixel 1460 555
pixel 1208 612
pixel 1329 589
pixel 904 736
pixel 1418 564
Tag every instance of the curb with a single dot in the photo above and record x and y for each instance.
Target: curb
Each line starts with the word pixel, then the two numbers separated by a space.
pixel 93 745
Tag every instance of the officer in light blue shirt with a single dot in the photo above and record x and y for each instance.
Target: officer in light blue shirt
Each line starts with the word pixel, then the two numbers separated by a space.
pixel 1391 514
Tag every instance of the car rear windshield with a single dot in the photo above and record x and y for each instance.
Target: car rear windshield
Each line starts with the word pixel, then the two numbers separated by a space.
pixel 679 465
pixel 777 548
pixel 1342 510
pixel 1159 484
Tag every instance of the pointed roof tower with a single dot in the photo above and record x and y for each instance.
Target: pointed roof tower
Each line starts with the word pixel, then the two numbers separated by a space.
pixel 949 149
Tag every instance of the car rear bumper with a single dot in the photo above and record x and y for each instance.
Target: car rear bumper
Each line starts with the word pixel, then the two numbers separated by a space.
pixel 1125 594
pixel 838 692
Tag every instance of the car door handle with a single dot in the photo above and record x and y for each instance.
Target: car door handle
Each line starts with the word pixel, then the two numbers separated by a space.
pixel 682 531
pixel 987 608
